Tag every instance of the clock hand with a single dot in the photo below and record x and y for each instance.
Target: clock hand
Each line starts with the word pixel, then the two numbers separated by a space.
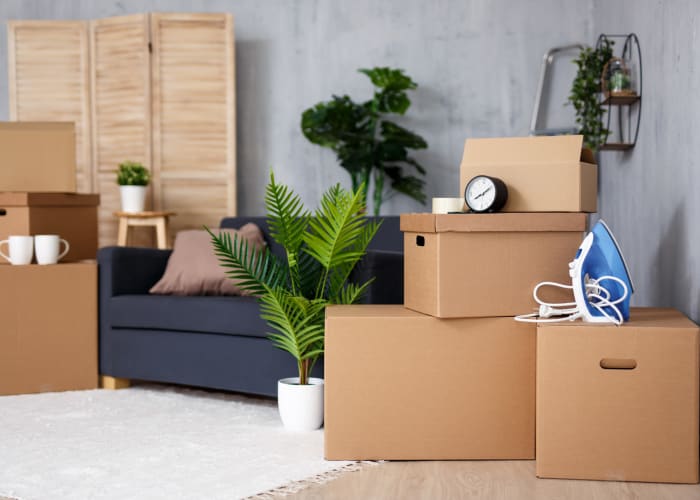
pixel 482 193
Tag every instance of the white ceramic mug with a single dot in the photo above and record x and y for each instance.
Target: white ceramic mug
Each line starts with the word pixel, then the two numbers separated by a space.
pixel 46 247
pixel 21 250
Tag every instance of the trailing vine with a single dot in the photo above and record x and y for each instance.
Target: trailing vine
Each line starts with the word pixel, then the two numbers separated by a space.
pixel 585 90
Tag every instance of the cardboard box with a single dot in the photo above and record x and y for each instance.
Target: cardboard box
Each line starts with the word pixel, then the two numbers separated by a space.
pixel 405 386
pixel 37 156
pixel 48 339
pixel 619 403
pixel 72 216
pixel 543 174
pixel 482 265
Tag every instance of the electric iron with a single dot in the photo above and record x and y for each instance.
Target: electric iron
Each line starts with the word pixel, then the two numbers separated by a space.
pixel 600 281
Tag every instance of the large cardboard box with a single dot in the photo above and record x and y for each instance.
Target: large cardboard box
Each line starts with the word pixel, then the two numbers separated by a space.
pixel 543 174
pixel 72 216
pixel 619 403
pixel 401 385
pixel 48 338
pixel 37 156
pixel 482 265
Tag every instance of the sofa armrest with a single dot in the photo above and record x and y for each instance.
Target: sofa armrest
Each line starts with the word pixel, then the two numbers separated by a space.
pixel 386 267
pixel 130 270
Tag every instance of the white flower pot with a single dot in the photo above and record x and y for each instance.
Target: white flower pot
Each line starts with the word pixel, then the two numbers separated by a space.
pixel 133 198
pixel 300 406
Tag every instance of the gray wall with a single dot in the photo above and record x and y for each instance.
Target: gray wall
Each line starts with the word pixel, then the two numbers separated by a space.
pixel 477 63
pixel 650 196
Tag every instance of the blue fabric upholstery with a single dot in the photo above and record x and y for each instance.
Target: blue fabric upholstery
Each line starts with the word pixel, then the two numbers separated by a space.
pixel 209 341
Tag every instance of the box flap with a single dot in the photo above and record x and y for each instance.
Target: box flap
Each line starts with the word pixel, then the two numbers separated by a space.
pixel 526 150
pixel 640 317
pixel 499 222
pixel 23 199
pixel 23 126
pixel 370 311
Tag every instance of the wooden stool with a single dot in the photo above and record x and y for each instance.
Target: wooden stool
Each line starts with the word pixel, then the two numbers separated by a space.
pixel 159 220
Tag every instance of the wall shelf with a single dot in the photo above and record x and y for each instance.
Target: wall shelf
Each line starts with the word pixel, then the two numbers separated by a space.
pixel 628 107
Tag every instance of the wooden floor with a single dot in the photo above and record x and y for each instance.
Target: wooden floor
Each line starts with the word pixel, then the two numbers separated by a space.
pixel 481 480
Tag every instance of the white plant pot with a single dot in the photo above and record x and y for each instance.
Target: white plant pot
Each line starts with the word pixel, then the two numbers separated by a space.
pixel 133 198
pixel 300 406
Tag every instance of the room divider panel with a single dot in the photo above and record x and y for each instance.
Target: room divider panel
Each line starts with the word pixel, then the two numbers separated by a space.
pixel 154 88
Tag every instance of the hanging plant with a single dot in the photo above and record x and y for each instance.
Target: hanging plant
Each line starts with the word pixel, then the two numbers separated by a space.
pixel 585 91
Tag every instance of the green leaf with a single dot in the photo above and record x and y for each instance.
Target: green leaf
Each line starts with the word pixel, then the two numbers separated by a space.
pixel 390 79
pixel 257 271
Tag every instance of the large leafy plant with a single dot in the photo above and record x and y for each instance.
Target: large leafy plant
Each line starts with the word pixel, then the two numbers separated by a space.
pixel 368 145
pixel 585 91
pixel 321 251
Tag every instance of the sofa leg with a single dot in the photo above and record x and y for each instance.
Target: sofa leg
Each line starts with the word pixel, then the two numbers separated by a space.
pixel 107 382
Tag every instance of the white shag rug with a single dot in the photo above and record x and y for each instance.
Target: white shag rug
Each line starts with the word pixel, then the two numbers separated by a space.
pixel 152 442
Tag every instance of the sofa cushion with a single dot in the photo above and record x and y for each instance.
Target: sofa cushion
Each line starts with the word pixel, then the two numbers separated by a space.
pixel 222 315
pixel 194 269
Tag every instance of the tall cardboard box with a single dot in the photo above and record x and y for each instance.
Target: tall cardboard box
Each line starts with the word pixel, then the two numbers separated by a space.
pixel 401 385
pixel 619 403
pixel 72 216
pixel 37 156
pixel 543 174
pixel 482 265
pixel 48 339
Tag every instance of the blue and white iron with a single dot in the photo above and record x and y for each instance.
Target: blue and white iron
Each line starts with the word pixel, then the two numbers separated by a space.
pixel 600 281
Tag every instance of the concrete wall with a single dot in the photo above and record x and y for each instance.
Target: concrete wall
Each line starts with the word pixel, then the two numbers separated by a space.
pixel 650 196
pixel 476 62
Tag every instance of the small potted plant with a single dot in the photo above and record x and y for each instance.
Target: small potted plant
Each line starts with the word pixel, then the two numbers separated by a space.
pixel 322 250
pixel 133 179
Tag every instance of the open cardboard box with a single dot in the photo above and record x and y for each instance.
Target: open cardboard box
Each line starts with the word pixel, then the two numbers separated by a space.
pixel 405 386
pixel 482 265
pixel 619 403
pixel 37 156
pixel 543 174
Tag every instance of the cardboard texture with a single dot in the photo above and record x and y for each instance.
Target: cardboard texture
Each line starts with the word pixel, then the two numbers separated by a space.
pixel 37 156
pixel 48 339
pixel 543 174
pixel 634 424
pixel 72 216
pixel 483 265
pixel 401 385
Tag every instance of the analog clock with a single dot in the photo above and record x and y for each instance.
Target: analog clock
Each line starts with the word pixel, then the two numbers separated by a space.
pixel 485 194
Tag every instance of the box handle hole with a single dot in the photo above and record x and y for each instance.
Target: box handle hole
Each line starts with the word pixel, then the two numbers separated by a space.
pixel 3 212
pixel 420 241
pixel 618 364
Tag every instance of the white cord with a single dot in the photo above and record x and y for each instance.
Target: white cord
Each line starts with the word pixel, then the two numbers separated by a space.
pixel 597 295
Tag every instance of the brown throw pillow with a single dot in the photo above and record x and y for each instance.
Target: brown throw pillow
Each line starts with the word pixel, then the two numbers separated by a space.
pixel 194 269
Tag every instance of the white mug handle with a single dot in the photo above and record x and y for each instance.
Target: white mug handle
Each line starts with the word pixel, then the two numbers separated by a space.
pixel 6 257
pixel 64 252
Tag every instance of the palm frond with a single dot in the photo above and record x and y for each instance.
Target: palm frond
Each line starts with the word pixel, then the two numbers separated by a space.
pixel 352 293
pixel 287 220
pixel 298 322
pixel 257 271
pixel 340 274
pixel 335 227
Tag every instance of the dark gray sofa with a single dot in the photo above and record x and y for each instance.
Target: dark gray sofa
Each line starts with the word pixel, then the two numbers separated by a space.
pixel 209 341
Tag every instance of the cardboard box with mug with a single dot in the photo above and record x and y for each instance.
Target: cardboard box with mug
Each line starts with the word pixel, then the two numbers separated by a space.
pixel 46 247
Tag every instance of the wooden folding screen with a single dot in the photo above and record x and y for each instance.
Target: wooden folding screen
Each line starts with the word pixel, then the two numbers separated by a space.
pixel 154 88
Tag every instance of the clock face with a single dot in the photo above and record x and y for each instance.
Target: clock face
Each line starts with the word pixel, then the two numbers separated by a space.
pixel 480 193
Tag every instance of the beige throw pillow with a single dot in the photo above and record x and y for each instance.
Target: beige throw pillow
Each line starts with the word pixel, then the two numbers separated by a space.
pixel 193 267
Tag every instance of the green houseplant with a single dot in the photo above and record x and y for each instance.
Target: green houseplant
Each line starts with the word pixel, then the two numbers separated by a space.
pixel 321 249
pixel 133 178
pixel 367 144
pixel 585 90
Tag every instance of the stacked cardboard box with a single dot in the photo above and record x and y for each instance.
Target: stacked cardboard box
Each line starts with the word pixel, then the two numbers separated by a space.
pixel 48 341
pixel 452 376
pixel 38 187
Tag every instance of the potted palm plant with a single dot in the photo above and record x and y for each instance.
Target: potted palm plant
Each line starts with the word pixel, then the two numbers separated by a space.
pixel 133 178
pixel 321 249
